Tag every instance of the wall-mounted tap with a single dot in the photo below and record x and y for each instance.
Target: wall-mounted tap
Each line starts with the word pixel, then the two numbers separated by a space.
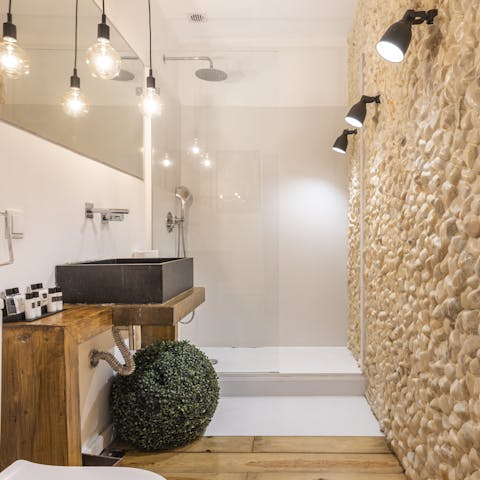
pixel 107 214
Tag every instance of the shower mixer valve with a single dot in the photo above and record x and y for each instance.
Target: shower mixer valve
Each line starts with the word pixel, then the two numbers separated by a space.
pixel 173 221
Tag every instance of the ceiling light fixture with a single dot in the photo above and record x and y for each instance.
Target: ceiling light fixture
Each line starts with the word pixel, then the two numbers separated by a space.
pixel 73 102
pixel 13 59
pixel 356 115
pixel 150 101
pixel 395 41
pixel 102 59
pixel 341 143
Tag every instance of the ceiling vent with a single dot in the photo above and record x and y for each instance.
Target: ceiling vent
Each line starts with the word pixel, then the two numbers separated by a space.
pixel 197 17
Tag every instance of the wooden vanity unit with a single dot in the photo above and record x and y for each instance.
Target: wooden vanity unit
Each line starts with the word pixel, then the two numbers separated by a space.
pixel 40 373
pixel 40 388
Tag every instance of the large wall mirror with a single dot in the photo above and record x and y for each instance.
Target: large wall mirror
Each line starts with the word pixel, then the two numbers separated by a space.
pixel 112 131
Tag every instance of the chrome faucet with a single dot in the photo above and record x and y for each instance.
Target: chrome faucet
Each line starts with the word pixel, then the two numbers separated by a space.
pixel 107 214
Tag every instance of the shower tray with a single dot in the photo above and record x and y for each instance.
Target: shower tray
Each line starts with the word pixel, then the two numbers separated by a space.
pixel 125 280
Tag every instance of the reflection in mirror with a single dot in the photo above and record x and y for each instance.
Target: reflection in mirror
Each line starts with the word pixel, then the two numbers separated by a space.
pixel 111 132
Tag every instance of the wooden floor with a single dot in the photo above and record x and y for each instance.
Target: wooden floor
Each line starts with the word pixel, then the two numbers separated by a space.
pixel 274 458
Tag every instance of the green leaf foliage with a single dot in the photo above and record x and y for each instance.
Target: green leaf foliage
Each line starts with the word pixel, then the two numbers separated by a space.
pixel 168 401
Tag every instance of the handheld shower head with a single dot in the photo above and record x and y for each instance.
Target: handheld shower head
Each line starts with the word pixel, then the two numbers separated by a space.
pixel 183 193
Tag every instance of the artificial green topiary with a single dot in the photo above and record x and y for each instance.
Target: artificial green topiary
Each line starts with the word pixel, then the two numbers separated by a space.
pixel 169 400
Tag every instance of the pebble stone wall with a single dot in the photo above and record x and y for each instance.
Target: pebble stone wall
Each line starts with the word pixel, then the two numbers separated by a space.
pixel 422 235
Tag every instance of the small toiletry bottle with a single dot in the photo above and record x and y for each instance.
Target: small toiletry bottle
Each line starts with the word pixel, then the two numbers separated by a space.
pixel 51 303
pixel 38 304
pixel 43 292
pixel 10 305
pixel 30 307
pixel 59 299
pixel 17 301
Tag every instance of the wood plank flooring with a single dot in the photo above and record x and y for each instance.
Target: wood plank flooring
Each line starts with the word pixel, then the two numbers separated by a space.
pixel 274 458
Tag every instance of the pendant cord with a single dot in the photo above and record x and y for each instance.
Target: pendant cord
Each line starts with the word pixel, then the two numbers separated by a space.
pixel 150 35
pixel 76 37
pixel 9 7
pixel 103 7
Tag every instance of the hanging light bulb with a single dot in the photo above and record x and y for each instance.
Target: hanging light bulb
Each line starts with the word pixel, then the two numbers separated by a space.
pixel 166 162
pixel 102 59
pixel 150 100
pixel 13 60
pixel 73 102
pixel 150 103
pixel 195 147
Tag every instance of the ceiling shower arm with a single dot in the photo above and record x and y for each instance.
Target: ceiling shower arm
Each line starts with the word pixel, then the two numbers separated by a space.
pixel 174 59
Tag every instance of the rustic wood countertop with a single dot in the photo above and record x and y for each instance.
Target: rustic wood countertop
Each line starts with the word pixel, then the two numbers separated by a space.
pixel 99 318
pixel 82 322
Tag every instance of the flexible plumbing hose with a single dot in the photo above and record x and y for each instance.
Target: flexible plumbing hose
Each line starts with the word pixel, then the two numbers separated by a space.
pixel 124 370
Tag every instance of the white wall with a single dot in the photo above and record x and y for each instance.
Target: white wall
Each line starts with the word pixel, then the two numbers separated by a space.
pixel 51 185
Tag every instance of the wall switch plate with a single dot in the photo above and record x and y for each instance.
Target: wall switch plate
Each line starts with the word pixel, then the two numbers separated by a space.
pixel 17 223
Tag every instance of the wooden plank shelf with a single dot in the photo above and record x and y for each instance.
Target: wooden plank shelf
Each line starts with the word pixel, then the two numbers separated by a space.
pixel 166 314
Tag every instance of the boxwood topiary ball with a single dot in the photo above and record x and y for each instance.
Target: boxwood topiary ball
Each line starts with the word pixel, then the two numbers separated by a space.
pixel 169 400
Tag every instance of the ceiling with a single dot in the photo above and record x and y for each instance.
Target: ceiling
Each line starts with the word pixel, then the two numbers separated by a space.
pixel 260 24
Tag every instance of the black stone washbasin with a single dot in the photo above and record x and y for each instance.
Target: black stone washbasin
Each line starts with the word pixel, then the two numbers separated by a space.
pixel 125 280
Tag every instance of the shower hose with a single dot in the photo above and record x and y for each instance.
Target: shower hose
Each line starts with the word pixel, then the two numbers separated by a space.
pixel 124 370
pixel 181 250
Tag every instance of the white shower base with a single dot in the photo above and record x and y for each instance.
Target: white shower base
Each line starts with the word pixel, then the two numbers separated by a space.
pixel 280 371
pixel 288 360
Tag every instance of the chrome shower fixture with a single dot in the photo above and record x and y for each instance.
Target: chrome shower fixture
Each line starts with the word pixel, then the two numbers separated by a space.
pixel 210 74
pixel 186 198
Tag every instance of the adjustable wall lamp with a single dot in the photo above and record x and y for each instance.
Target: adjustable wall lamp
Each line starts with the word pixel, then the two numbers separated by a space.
pixel 341 143
pixel 356 115
pixel 395 41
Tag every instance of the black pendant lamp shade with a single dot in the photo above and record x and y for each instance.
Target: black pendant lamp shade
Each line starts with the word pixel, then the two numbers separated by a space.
pixel 9 28
pixel 356 115
pixel 395 41
pixel 341 143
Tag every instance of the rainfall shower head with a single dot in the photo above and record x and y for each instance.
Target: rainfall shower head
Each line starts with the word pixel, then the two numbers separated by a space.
pixel 124 76
pixel 208 74
pixel 211 74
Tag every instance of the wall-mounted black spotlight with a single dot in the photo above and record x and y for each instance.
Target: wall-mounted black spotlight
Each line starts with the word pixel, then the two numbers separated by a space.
pixel 394 44
pixel 356 115
pixel 341 143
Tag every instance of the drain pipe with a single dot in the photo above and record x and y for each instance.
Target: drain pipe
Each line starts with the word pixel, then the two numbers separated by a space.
pixel 124 370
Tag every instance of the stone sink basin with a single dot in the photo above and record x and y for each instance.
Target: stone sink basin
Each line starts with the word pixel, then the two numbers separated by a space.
pixel 125 280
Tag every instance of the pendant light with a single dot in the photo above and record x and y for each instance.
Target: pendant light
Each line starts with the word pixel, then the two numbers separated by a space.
pixel 356 115
pixel 395 42
pixel 13 59
pixel 102 59
pixel 73 102
pixel 150 100
pixel 341 143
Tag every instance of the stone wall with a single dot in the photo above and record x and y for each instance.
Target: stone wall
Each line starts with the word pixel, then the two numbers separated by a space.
pixel 422 236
